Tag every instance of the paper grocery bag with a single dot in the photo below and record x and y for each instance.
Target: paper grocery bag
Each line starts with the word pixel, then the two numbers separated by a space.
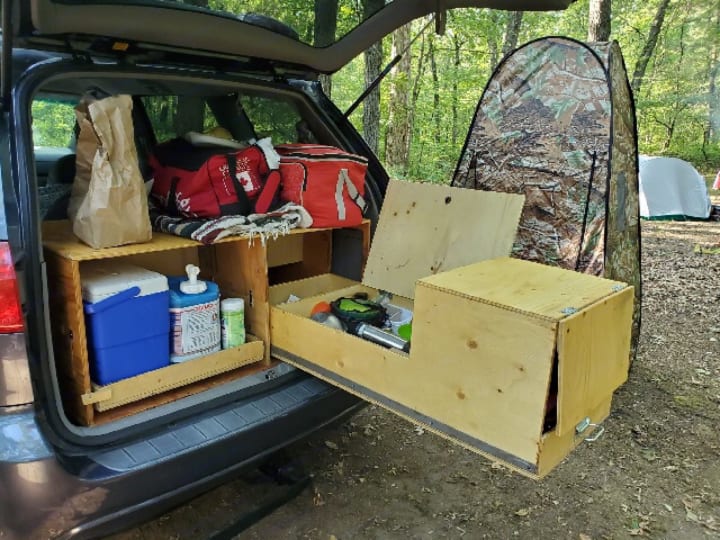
pixel 108 203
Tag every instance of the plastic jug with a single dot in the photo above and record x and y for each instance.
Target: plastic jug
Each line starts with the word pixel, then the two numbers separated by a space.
pixel 194 316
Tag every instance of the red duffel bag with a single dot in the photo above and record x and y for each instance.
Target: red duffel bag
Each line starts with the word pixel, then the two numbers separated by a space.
pixel 208 182
pixel 327 181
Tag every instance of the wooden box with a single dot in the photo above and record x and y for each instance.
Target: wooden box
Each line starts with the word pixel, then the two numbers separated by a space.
pixel 87 403
pixel 240 266
pixel 509 358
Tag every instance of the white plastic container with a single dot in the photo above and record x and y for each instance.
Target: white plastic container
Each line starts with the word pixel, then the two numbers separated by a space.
pixel 232 320
pixel 398 316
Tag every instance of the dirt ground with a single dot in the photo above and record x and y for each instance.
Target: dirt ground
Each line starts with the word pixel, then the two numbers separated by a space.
pixel 654 473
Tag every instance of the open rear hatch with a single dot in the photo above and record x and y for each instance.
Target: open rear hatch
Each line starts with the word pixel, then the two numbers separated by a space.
pixel 275 33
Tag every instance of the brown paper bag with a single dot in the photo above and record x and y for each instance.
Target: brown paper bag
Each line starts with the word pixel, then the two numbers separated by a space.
pixel 108 204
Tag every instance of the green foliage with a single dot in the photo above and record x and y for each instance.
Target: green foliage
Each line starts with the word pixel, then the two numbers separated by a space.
pixel 53 122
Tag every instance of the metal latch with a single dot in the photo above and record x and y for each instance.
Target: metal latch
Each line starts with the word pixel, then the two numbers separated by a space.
pixel 584 425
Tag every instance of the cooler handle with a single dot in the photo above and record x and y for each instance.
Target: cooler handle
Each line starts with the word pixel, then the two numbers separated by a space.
pixel 112 301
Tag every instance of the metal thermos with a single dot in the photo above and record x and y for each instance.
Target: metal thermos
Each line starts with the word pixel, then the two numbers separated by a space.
pixel 374 334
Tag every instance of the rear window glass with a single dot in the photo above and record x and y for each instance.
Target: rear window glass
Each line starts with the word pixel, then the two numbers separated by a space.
pixel 172 117
pixel 53 122
pixel 272 118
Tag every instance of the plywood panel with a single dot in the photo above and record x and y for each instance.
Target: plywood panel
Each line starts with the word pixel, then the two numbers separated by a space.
pixel 285 250
pixel 169 263
pixel 425 229
pixel 479 392
pixel 594 357
pixel 496 362
pixel 240 269
pixel 532 288
pixel 305 288
pixel 556 446
pixel 69 339
pixel 161 380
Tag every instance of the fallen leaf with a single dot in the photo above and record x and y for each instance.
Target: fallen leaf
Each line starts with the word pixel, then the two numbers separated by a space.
pixel 318 499
pixel 691 516
pixel 584 536
pixel 668 507
pixel 331 445
pixel 522 512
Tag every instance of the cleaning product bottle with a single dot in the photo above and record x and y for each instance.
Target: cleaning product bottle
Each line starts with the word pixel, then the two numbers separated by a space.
pixel 232 312
pixel 194 316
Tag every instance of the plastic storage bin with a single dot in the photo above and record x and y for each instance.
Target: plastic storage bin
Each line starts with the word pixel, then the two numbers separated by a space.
pixel 126 313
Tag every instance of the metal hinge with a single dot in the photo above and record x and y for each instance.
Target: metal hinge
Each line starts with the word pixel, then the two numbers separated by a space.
pixel 584 425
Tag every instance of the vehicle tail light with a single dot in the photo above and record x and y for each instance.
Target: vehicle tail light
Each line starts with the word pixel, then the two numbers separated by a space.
pixel 11 319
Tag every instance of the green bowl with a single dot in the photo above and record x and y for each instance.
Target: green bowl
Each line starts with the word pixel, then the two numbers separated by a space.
pixel 405 331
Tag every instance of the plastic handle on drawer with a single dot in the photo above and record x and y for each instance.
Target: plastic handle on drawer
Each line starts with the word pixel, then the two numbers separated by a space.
pixel 112 301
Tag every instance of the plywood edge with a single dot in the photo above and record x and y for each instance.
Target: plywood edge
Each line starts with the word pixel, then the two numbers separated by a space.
pixel 593 356
pixel 554 447
pixel 548 321
pixel 173 376
pixel 491 453
pixel 308 287
pixel 303 306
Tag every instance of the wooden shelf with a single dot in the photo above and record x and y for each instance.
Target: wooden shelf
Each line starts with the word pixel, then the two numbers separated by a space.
pixel 173 376
pixel 59 238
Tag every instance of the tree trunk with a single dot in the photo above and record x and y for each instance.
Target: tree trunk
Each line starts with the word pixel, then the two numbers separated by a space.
pixel 457 47
pixel 189 115
pixel 326 14
pixel 649 47
pixel 512 32
pixel 373 66
pixel 436 91
pixel 713 127
pixel 397 139
pixel 599 20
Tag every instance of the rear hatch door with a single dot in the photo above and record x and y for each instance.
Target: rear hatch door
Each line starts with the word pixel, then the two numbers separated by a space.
pixel 320 36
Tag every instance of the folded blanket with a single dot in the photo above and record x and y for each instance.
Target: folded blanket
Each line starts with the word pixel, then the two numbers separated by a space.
pixel 207 231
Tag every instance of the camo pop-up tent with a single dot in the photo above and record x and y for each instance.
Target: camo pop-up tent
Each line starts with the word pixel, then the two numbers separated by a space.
pixel 556 122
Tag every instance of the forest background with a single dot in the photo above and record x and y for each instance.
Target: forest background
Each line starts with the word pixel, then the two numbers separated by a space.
pixel 417 118
pixel 671 50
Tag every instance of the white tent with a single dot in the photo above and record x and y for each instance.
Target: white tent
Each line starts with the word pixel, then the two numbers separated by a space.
pixel 671 187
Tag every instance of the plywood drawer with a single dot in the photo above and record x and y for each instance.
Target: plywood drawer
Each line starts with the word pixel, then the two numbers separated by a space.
pixel 508 357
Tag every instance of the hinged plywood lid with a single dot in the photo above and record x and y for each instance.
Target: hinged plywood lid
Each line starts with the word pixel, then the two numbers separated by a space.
pixel 425 229
pixel 538 290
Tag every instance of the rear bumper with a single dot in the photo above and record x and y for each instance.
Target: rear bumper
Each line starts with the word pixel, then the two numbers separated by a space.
pixel 41 499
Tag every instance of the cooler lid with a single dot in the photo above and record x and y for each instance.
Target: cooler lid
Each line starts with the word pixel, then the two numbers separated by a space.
pixel 426 228
pixel 101 279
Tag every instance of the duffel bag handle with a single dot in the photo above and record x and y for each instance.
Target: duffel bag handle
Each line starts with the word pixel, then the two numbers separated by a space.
pixel 343 183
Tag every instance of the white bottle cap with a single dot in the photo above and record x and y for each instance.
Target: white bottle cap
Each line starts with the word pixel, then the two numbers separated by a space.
pixel 192 285
pixel 232 304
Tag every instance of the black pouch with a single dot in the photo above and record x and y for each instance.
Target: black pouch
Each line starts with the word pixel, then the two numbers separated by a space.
pixel 356 310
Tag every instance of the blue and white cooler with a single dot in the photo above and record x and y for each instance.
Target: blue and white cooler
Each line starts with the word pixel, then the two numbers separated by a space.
pixel 126 314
